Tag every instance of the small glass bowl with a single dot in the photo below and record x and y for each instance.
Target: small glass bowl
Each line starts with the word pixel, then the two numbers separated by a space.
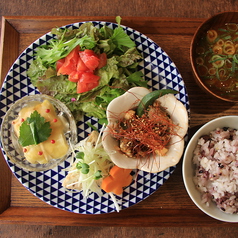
pixel 9 140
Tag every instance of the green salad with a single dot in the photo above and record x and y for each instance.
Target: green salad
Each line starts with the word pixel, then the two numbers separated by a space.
pixel 119 74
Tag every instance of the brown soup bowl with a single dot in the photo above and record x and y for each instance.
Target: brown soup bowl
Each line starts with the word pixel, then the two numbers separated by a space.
pixel 221 85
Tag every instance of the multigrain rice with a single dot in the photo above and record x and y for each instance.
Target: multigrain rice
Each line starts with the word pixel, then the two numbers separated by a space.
pixel 216 160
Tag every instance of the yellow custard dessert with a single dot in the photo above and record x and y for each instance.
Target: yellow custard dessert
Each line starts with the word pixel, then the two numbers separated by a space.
pixel 56 146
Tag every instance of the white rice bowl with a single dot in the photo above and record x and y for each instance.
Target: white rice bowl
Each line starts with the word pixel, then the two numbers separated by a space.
pixel 218 185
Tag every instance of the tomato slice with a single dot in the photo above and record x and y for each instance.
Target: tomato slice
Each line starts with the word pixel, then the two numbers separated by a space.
pixel 87 82
pixel 102 60
pixel 89 77
pixel 85 87
pixel 90 59
pixel 81 66
pixel 74 76
pixel 73 55
pixel 70 63
pixel 59 63
pixel 81 87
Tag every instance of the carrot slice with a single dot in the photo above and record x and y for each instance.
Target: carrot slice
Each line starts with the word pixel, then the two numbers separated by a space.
pixel 118 179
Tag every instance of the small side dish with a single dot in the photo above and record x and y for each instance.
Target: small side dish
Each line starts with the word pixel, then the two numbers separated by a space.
pixel 40 132
pixel 152 142
pixel 41 129
pixel 216 59
pixel 213 55
pixel 209 162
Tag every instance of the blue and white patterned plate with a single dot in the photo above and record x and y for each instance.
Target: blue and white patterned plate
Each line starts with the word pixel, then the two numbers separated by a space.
pixel 160 72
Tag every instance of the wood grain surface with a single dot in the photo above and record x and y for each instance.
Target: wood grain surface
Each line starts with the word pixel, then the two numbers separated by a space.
pixel 169 212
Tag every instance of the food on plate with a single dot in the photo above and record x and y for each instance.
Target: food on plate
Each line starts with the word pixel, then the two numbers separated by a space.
pixel 215 158
pixel 142 136
pixel 92 170
pixel 79 66
pixel 89 165
pixel 117 179
pixel 151 142
pixel 216 59
pixel 41 132
pixel 86 68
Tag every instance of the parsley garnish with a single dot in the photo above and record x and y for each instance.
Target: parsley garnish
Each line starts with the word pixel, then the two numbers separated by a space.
pixel 34 130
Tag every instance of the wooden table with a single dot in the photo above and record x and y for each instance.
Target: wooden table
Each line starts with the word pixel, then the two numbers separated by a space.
pixel 167 212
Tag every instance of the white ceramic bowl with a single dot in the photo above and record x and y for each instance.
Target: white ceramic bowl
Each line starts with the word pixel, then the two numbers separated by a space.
pixel 10 142
pixel 153 164
pixel 188 168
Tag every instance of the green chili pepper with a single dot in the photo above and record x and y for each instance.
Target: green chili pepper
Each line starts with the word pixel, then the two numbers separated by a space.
pixel 149 98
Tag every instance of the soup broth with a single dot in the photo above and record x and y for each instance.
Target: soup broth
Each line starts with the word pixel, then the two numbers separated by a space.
pixel 217 60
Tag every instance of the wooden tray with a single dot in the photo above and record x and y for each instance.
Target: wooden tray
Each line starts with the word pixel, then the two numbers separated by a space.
pixel 170 205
